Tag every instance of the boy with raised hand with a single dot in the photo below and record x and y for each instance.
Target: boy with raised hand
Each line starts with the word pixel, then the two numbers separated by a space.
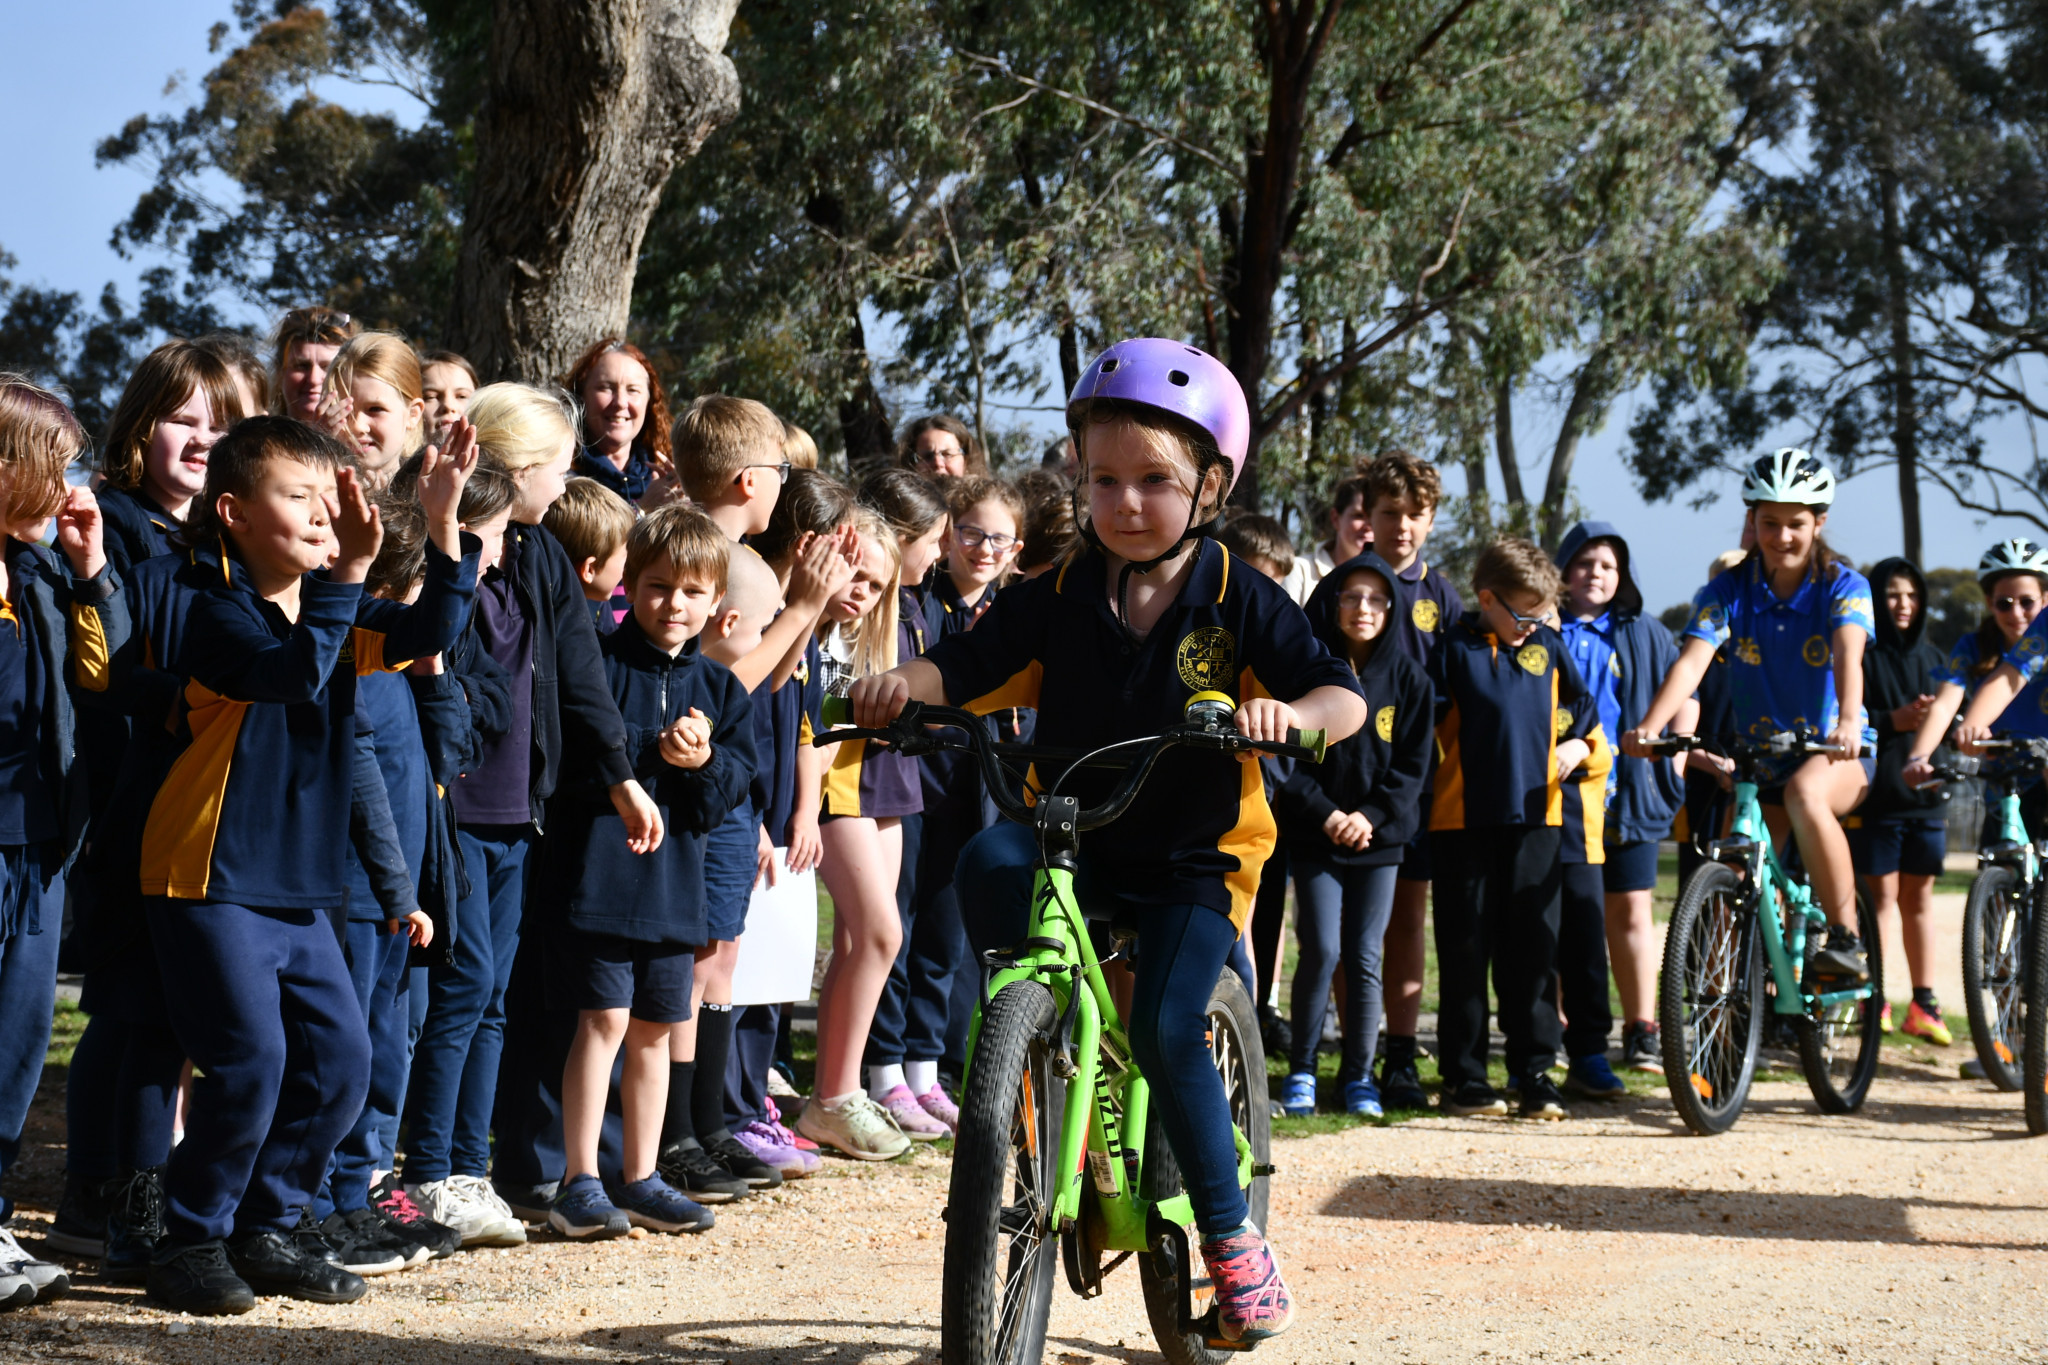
pixel 1400 495
pixel 244 844
pixel 621 952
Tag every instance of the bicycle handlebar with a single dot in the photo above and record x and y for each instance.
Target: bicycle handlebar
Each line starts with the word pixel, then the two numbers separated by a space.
pixel 908 735
pixel 1741 746
pixel 1957 767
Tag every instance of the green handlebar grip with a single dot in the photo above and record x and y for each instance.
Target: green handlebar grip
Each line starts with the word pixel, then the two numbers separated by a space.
pixel 1312 740
pixel 837 711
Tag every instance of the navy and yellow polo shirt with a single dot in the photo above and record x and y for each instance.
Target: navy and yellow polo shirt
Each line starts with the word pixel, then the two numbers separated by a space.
pixel 873 781
pixel 784 721
pixel 1200 828
pixel 1501 714
pixel 1433 607
pixel 1781 652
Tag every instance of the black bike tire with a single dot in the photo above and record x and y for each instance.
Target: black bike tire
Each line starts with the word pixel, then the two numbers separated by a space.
pixel 1847 1098
pixel 1014 1043
pixel 1986 891
pixel 1230 1007
pixel 1708 1114
pixel 2034 1059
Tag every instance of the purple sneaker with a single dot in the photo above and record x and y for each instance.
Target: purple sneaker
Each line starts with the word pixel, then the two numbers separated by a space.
pixel 940 1106
pixel 902 1106
pixel 764 1140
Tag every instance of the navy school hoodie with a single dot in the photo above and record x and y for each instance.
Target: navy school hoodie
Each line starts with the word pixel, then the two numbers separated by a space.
pixel 1898 667
pixel 595 883
pixel 1380 771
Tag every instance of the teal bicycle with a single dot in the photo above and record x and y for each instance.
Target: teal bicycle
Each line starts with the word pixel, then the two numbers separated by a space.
pixel 1739 948
pixel 1060 1161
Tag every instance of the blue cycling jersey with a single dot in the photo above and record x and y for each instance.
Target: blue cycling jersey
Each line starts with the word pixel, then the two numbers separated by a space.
pixel 2029 653
pixel 1780 651
pixel 2026 716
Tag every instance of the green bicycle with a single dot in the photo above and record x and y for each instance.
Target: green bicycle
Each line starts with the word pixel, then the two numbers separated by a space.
pixel 1998 917
pixel 1727 964
pixel 1058 1145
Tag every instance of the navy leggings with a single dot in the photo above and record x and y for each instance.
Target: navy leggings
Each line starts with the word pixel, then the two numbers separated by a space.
pixel 1341 916
pixel 1181 950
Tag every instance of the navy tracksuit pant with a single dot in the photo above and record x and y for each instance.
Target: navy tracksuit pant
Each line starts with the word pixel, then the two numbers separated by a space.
pixel 31 924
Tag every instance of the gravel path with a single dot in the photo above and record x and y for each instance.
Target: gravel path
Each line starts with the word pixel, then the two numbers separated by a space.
pixel 1910 1232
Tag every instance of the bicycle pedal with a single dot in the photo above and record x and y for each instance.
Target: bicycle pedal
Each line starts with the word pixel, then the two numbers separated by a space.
pixel 1258 1171
pixel 1213 1338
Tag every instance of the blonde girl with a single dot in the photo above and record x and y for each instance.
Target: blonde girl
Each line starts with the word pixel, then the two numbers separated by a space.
pixel 374 404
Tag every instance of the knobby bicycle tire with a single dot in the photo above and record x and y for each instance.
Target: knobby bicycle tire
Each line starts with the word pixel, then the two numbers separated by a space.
pixel 2034 1056
pixel 1995 936
pixel 1711 1002
pixel 1838 1048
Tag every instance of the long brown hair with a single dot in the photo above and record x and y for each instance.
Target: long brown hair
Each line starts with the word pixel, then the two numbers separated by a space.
pixel 158 388
pixel 39 438
pixel 654 428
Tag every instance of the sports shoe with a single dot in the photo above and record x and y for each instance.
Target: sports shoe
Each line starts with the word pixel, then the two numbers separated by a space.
pixel 199 1279
pixel 1540 1099
pixel 1298 1094
pixel 790 1135
pixel 80 1228
pixel 469 1205
pixel 280 1263
pixel 654 1203
pixel 135 1224
pixel 1252 1302
pixel 779 1086
pixel 738 1158
pixel 859 1129
pixel 529 1203
pixel 691 1169
pixel 404 1218
pixel 583 1209
pixel 1843 958
pixel 16 1289
pixel 362 1244
pixel 1275 1033
pixel 909 1116
pixel 1642 1049
pixel 1928 1024
pixel 765 1140
pixel 1473 1099
pixel 1884 1020
pixel 47 1279
pixel 1593 1079
pixel 1401 1087
pixel 940 1106
pixel 1362 1099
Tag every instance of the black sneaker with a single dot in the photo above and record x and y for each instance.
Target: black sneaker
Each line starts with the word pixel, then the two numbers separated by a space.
pixel 1642 1049
pixel 1540 1098
pixel 1843 959
pixel 198 1279
pixel 731 1153
pixel 1275 1032
pixel 363 1244
pixel 529 1203
pixel 278 1263
pixel 403 1217
pixel 135 1225
pixel 80 1228
pixel 687 1167
pixel 1473 1099
pixel 1401 1088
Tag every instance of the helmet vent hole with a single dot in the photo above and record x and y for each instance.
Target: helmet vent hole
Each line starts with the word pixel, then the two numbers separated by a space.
pixel 1109 364
pixel 1179 377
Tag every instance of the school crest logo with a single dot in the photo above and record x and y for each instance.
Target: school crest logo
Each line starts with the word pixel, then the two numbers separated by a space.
pixel 1425 615
pixel 1816 652
pixel 1747 652
pixel 1614 664
pixel 1533 659
pixel 1206 659
pixel 1383 723
pixel 1560 722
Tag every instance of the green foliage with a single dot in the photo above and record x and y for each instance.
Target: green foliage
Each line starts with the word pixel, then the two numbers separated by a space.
pixel 1955 606
pixel 1676 617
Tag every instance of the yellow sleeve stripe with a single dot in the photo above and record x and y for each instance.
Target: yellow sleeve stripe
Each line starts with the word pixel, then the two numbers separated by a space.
pixel 184 820
pixel 1019 689
pixel 90 662
pixel 368 647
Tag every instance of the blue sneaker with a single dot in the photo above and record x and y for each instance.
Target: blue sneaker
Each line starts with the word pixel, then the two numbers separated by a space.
pixel 1298 1094
pixel 1593 1079
pixel 582 1210
pixel 1362 1098
pixel 654 1203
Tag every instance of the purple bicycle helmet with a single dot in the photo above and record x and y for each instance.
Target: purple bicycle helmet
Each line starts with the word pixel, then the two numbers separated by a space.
pixel 1175 378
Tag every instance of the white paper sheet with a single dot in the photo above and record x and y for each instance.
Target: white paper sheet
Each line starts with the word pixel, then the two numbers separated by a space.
pixel 779 949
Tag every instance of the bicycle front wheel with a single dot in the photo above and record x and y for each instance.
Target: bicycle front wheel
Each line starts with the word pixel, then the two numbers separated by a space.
pixel 1839 1045
pixel 2034 1055
pixel 1710 1007
pixel 1002 1251
pixel 1995 972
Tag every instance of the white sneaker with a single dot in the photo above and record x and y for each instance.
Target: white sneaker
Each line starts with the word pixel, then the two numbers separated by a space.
pixel 454 1203
pixel 780 1088
pixel 45 1281
pixel 858 1129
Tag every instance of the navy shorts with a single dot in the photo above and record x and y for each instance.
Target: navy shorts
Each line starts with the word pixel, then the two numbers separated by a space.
pixel 1913 846
pixel 730 865
pixel 600 972
pixel 1415 859
pixel 1629 867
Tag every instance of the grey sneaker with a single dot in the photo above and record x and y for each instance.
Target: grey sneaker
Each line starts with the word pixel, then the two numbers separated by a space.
pixel 858 1129
pixel 469 1205
pixel 1843 959
pixel 1642 1049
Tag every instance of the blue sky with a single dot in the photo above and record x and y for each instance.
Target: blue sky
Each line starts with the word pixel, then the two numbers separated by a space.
pixel 83 69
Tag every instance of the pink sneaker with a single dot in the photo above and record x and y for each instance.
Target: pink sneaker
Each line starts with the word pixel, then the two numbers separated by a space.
pixel 940 1106
pixel 902 1106
pixel 764 1140
pixel 789 1136
pixel 1252 1302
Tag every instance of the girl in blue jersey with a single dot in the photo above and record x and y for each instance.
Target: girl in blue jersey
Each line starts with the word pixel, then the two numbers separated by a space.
pixel 1110 647
pixel 1795 620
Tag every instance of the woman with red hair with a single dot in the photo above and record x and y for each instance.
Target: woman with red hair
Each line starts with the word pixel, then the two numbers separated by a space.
pixel 625 438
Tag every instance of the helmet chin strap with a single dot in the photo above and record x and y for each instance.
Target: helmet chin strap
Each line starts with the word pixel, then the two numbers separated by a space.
pixel 1191 532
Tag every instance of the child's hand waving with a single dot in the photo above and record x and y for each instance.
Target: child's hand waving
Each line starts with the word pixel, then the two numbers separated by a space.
pixel 358 529
pixel 81 532
pixel 824 565
pixel 444 470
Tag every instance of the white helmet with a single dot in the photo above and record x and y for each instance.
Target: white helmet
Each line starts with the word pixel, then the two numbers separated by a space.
pixel 1789 475
pixel 2013 556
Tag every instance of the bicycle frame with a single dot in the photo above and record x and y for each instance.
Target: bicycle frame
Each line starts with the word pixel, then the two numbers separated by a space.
pixel 1749 844
pixel 2010 845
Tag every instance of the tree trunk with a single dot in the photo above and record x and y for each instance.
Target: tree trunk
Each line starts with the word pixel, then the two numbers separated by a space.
pixel 1588 393
pixel 1905 415
pixel 863 418
pixel 589 106
pixel 1504 444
